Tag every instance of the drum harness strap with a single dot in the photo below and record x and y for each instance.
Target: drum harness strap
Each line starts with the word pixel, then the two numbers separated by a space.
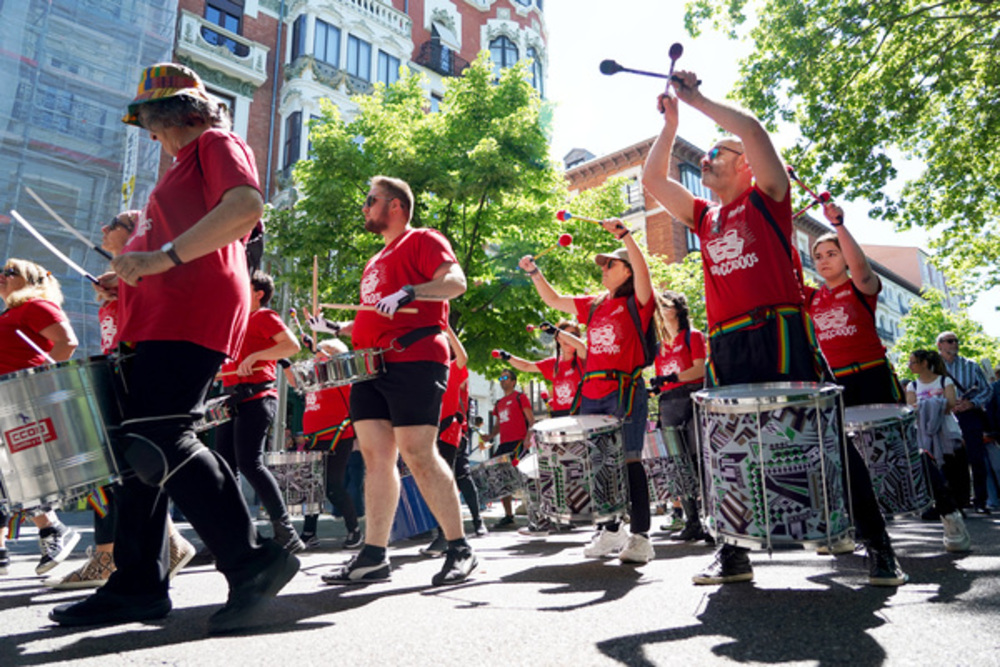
pixel 337 431
pixel 628 384
pixel 244 390
pixel 400 343
pixel 758 316
pixel 851 369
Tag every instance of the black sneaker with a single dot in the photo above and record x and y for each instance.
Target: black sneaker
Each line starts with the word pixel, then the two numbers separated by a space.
pixel 56 546
pixel 459 562
pixel 105 608
pixel 883 570
pixel 479 528
pixel 435 548
pixel 286 537
pixel 359 571
pixel 248 596
pixel 4 562
pixel 692 532
pixel 354 539
pixel 506 522
pixel 731 565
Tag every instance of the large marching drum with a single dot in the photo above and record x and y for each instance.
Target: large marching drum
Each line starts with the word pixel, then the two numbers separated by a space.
pixel 581 469
pixel 773 455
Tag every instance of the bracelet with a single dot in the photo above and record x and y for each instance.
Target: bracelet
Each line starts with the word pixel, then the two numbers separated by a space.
pixel 623 235
pixel 533 272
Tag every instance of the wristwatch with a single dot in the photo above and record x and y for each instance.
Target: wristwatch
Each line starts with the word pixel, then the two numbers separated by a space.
pixel 168 248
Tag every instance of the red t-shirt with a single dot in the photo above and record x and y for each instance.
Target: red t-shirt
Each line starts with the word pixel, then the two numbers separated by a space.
pixel 746 266
pixel 845 328
pixel 327 408
pixel 451 403
pixel 262 326
pixel 565 377
pixel 509 412
pixel 675 357
pixel 30 317
pixel 204 301
pixel 411 259
pixel 107 319
pixel 613 342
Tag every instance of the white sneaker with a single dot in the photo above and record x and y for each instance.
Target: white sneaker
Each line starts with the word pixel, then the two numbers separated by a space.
pixel 606 543
pixel 638 549
pixel 842 545
pixel 956 535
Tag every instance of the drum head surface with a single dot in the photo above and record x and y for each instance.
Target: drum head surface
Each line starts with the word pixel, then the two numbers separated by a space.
pixel 860 415
pixel 766 395
pixel 575 427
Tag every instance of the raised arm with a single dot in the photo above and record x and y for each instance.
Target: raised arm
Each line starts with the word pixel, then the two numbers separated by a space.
pixel 523 365
pixel 640 269
pixel 461 356
pixel 767 166
pixel 550 297
pixel 656 173
pixel 861 271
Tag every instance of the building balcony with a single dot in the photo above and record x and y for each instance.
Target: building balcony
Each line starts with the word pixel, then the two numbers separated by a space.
pixel 218 49
pixel 327 75
pixel 441 59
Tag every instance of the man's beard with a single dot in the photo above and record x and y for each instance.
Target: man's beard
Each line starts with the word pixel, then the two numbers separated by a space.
pixel 376 225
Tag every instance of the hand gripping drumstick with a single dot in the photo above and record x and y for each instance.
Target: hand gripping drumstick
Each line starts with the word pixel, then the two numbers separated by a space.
pixel 563 216
pixel 500 354
pixel 565 240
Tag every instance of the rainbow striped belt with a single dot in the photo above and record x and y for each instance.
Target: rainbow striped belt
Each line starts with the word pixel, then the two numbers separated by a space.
pixel 628 384
pixel 851 369
pixel 337 431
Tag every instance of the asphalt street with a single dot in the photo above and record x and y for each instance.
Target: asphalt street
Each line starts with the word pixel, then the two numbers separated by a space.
pixel 540 602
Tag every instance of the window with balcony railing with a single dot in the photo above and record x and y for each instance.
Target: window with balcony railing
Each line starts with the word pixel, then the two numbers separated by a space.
pixel 226 14
pixel 326 44
pixel 359 58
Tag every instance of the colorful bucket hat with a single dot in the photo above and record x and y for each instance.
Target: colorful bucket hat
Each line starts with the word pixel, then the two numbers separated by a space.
pixel 161 81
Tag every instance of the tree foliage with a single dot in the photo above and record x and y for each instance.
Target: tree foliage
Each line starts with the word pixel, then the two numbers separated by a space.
pixel 926 320
pixel 480 171
pixel 874 84
pixel 688 278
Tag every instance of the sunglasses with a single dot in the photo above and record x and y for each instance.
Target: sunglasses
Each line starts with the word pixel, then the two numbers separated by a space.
pixel 949 340
pixel 504 378
pixel 9 272
pixel 371 199
pixel 714 153
pixel 116 223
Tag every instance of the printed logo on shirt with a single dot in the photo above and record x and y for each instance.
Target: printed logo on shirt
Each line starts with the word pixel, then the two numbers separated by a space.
pixel 504 415
pixel 565 391
pixel 311 402
pixel 369 285
pixel 833 323
pixel 143 226
pixel 673 367
pixel 603 340
pixel 108 331
pixel 727 255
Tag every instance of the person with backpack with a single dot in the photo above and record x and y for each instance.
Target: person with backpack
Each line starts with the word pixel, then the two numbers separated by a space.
pixel 621 342
pixel 757 325
pixel 680 371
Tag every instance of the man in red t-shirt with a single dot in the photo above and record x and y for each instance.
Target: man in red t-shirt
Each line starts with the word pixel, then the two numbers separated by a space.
pixel 513 417
pixel 396 413
pixel 758 331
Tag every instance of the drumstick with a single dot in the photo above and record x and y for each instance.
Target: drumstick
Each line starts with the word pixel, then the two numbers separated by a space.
pixel 315 284
pixel 348 306
pixel 35 347
pixel 254 370
pixel 563 216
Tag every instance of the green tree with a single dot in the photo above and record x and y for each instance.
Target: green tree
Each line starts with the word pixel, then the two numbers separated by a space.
pixel 870 84
pixel 481 175
pixel 926 320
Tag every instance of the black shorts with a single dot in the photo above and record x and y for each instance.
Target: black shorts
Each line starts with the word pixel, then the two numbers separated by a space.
pixel 752 355
pixel 407 394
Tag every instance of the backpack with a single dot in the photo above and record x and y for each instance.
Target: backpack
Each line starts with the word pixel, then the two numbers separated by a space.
pixel 650 341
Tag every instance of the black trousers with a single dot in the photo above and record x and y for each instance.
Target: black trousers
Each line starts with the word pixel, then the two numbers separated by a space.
pixel 241 442
pixel 167 383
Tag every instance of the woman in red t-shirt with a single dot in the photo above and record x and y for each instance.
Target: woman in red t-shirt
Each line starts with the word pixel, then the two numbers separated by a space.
pixel 612 381
pixel 33 299
pixel 843 314
pixel 680 371
pixel 564 370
